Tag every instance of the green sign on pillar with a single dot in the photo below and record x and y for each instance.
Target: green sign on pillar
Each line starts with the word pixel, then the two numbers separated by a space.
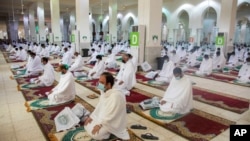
pixel 220 41
pixel 134 39
pixel 72 38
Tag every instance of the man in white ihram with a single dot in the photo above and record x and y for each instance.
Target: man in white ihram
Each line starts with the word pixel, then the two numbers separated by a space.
pixel 206 66
pixel 244 73
pixel 77 65
pixel 98 69
pixel 48 77
pixel 125 79
pixel 65 90
pixel 109 116
pixel 178 97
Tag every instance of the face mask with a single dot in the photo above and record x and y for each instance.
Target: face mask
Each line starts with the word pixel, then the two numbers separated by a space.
pixel 178 78
pixel 101 87
pixel 166 61
pixel 248 63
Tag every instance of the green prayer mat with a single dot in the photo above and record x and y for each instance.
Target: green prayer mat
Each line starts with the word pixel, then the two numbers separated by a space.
pixel 29 86
pixel 38 104
pixel 158 114
pixel 153 82
pixel 238 68
pixel 199 59
pixel 119 59
pixel 82 78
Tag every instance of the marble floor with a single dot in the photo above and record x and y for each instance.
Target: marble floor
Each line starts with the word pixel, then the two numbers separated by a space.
pixel 18 125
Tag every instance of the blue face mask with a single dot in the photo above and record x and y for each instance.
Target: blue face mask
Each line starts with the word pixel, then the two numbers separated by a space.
pixel 101 87
pixel 178 78
pixel 248 63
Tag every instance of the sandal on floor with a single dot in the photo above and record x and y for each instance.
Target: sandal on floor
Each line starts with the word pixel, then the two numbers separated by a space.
pixel 92 96
pixel 138 126
pixel 149 136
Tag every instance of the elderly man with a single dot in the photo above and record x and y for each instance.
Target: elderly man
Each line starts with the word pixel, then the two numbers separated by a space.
pixel 178 97
pixel 206 66
pixel 65 90
pixel 109 116
pixel 98 69
pixel 125 79
pixel 48 77
pixel 244 73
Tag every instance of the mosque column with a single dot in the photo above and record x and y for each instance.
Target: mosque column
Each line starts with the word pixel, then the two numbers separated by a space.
pixel 72 21
pixel 32 26
pixel 13 29
pixel 150 15
pixel 26 27
pixel 113 20
pixel 41 22
pixel 227 21
pixel 82 22
pixel 55 22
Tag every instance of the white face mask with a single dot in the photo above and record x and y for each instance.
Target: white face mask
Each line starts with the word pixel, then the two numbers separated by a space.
pixel 178 78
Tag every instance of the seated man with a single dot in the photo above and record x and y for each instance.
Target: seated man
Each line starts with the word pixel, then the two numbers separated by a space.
pixel 92 59
pixel 125 79
pixel 48 76
pixel 98 69
pixel 175 58
pixel 178 97
pixel 35 65
pixel 182 54
pixel 15 54
pixel 110 62
pixel 233 61
pixel 219 61
pixel 77 65
pixel 109 116
pixel 192 59
pixel 65 90
pixel 206 67
pixel 66 59
pixel 23 54
pixel 166 73
pixel 244 73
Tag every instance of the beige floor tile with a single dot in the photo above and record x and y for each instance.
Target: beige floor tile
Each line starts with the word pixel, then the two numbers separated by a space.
pixel 7 128
pixel 8 137
pixel 178 138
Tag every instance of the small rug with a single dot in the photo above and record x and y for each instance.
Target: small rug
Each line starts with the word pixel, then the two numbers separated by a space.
pixel 36 93
pixel 79 134
pixel 233 104
pixel 158 114
pixel 41 103
pixel 195 125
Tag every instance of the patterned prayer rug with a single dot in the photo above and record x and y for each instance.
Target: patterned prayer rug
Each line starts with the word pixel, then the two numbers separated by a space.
pixel 45 119
pixel 136 95
pixel 36 93
pixel 8 60
pixel 219 77
pixel 195 125
pixel 221 100
pixel 41 103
